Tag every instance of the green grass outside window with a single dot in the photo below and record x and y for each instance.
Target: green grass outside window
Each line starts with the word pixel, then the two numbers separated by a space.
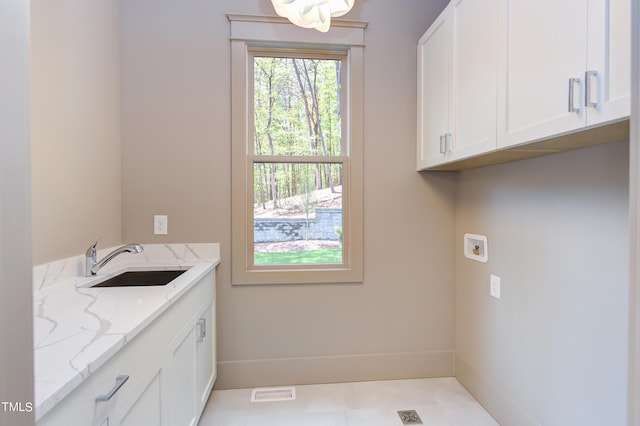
pixel 321 256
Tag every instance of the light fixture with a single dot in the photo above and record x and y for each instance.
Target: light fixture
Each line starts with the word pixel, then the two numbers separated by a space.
pixel 312 13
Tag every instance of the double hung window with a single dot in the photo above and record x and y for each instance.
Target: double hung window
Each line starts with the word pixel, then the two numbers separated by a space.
pixel 297 161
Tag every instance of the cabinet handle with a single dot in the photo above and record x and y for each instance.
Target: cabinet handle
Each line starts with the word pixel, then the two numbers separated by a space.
pixel 572 103
pixel 590 79
pixel 119 382
pixel 202 323
pixel 447 142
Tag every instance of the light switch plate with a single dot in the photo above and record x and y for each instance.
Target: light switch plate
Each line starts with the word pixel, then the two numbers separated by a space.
pixel 495 286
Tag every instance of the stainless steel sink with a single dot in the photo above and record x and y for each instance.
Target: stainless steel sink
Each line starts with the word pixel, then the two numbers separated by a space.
pixel 141 278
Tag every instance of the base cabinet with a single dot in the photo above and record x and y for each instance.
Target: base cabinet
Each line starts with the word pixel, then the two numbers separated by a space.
pixel 131 408
pixel 169 368
pixel 181 379
pixel 192 368
pixel 205 353
pixel 146 409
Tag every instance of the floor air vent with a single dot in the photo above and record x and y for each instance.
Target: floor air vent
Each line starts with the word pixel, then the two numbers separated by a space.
pixel 273 394
pixel 409 417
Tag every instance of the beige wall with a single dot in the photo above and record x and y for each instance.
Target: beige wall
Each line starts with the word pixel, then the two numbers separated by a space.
pixel 75 126
pixel 16 300
pixel 553 350
pixel 176 161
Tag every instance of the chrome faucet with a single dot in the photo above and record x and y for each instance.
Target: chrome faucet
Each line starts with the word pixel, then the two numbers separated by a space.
pixel 92 266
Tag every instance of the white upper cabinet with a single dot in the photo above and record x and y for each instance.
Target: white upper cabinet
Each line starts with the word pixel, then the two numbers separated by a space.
pixel 457 77
pixel 497 74
pixel 564 65
pixel 475 61
pixel 434 90
pixel 608 75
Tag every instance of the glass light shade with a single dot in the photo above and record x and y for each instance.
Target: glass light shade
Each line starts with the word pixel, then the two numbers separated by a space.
pixel 312 13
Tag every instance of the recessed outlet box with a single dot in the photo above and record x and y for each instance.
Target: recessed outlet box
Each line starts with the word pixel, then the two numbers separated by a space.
pixel 160 225
pixel 475 247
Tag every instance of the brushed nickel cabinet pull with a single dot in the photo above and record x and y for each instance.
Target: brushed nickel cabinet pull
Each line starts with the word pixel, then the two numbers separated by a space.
pixel 119 382
pixel 202 323
pixel 590 81
pixel 447 142
pixel 572 103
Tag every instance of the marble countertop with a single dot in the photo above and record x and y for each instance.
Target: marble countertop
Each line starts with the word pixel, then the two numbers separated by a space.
pixel 78 328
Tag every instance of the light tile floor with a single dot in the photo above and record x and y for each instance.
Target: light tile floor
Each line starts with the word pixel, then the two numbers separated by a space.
pixel 438 402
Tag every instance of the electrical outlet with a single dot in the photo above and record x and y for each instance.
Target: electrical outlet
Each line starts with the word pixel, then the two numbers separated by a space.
pixel 160 225
pixel 495 286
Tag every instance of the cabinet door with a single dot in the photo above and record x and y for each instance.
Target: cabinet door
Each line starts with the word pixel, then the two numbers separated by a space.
pixel 608 76
pixel 544 46
pixel 146 408
pixel 205 357
pixel 181 378
pixel 434 88
pixel 475 68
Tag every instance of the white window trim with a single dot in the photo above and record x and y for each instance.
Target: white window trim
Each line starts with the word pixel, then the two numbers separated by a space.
pixel 248 30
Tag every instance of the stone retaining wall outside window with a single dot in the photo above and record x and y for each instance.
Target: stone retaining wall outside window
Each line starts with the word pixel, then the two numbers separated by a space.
pixel 321 227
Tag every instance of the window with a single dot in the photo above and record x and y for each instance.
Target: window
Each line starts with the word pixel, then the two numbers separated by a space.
pixel 296 157
pixel 297 161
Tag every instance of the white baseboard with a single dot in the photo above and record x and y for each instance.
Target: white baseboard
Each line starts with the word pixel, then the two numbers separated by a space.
pixel 334 369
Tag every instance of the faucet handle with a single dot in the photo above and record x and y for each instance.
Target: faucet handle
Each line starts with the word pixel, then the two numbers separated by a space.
pixel 91 251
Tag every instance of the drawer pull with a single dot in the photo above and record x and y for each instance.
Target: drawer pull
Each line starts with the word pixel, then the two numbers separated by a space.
pixel 119 382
